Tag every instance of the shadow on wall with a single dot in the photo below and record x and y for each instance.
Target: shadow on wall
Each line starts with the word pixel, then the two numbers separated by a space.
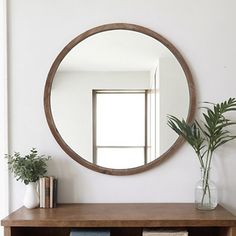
pixel 224 164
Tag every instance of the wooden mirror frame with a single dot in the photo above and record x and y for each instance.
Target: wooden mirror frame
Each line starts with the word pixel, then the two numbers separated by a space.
pixel 53 70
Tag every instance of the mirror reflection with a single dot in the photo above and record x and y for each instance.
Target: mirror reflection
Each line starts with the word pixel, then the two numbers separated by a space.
pixel 110 97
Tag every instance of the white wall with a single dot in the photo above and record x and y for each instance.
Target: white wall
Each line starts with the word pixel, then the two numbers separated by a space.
pixel 4 206
pixel 205 34
pixel 71 100
pixel 174 98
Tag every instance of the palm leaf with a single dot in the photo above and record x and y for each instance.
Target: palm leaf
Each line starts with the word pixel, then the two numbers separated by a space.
pixel 211 133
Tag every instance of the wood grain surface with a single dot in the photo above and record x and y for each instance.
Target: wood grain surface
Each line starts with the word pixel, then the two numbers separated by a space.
pixel 121 215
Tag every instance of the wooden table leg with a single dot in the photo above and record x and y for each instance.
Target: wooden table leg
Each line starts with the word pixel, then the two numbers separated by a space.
pixel 229 231
pixel 232 231
pixel 7 231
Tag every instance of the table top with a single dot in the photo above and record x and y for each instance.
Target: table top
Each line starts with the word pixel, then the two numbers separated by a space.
pixel 120 215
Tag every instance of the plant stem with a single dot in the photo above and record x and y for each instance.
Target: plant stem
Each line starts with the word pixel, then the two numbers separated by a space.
pixel 205 180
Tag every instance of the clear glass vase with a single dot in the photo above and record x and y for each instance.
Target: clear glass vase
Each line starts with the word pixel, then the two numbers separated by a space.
pixel 205 192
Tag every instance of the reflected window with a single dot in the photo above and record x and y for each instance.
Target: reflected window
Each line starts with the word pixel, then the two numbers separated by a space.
pixel 120 128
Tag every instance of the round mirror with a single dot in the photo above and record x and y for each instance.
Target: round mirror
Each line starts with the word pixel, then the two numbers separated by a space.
pixel 108 94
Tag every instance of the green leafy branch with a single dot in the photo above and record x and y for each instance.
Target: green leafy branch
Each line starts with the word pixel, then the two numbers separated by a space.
pixel 208 134
pixel 28 168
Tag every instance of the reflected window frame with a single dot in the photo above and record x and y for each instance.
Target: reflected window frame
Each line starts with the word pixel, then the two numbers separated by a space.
pixel 97 92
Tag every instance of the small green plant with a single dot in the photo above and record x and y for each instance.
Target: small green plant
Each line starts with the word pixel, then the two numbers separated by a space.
pixel 206 135
pixel 27 168
pixel 209 134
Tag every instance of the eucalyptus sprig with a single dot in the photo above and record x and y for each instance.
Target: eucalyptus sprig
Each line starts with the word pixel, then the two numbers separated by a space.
pixel 28 168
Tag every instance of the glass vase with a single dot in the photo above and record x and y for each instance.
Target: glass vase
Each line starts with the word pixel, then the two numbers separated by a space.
pixel 205 192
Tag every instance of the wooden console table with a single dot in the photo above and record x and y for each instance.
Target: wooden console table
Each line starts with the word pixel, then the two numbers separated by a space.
pixel 121 219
